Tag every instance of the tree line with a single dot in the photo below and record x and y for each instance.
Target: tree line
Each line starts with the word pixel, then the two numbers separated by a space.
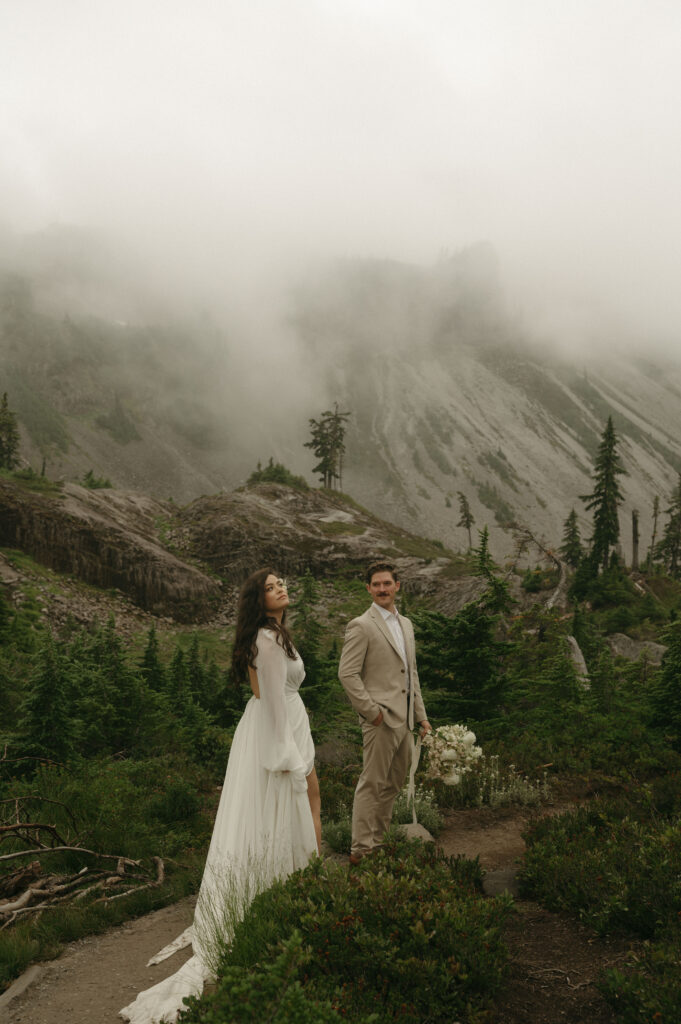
pixel 85 695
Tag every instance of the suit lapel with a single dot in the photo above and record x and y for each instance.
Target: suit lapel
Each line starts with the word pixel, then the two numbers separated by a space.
pixel 408 635
pixel 380 622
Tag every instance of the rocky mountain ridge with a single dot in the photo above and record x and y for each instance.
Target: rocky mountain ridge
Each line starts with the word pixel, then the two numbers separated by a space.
pixel 463 400
pixel 186 563
pixel 447 393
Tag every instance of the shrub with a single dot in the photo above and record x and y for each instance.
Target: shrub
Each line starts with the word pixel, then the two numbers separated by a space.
pixel 427 810
pixel 405 936
pixel 276 473
pixel 95 483
pixel 179 802
pixel 650 987
pixel 493 784
pixel 269 992
pixel 617 864
pixel 617 872
pixel 338 832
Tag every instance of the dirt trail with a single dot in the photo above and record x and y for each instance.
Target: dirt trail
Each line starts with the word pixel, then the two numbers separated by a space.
pixel 95 977
pixel 554 962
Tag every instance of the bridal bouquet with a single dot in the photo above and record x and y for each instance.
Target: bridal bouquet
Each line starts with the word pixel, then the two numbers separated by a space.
pixel 451 753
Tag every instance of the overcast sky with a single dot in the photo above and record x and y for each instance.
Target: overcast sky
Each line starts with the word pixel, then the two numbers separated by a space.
pixel 260 132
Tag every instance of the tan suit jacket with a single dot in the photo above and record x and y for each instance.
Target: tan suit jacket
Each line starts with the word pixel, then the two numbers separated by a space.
pixel 373 673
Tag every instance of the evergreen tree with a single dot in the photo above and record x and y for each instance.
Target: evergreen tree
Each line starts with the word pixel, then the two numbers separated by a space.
pixel 308 631
pixel 605 498
pixel 231 703
pixel 213 684
pixel 634 539
pixel 466 518
pixel 669 548
pixel 4 619
pixel 571 548
pixel 337 421
pixel 120 687
pixel 151 666
pixel 46 728
pixel 328 444
pixel 178 684
pixel 461 660
pixel 484 563
pixel 496 598
pixel 656 516
pixel 9 436
pixel 196 675
pixel 666 690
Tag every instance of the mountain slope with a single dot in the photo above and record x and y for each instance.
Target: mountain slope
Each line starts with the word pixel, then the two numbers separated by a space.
pixel 447 393
pixel 460 401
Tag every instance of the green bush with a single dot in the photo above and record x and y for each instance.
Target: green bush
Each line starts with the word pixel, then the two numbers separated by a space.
pixel 406 936
pixel 649 989
pixel 179 802
pixel 269 992
pixel 616 871
pixel 95 483
pixel 427 810
pixel 276 473
pixel 618 865
pixel 338 832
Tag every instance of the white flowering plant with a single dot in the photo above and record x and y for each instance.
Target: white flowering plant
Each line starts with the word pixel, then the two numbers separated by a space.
pixel 451 753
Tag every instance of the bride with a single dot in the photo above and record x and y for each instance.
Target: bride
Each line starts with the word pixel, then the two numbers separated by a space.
pixel 268 821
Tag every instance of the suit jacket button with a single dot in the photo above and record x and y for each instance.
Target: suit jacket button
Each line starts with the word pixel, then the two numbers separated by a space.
pixel 404 691
pixel 402 671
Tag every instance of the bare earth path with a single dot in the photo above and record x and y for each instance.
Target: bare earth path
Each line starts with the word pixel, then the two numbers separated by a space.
pixel 554 961
pixel 95 977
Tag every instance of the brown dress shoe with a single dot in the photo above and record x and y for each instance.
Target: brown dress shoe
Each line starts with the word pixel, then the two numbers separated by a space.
pixel 355 858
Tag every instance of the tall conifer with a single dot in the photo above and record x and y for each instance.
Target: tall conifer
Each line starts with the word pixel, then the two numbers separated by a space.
pixel 466 518
pixel 571 548
pixel 605 498
pixel 9 436
pixel 46 728
pixel 669 548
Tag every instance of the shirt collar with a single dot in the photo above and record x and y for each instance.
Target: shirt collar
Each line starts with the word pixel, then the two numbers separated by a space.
pixel 385 613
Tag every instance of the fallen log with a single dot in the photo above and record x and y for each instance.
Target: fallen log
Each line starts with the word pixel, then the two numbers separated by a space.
pixel 68 849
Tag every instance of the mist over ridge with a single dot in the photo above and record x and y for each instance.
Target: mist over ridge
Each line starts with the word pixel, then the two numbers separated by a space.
pixel 448 389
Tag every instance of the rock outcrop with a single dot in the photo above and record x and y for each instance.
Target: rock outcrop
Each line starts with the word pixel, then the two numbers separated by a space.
pixel 185 563
pixel 108 539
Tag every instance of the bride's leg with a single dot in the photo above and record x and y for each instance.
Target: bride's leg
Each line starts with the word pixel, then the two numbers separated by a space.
pixel 315 799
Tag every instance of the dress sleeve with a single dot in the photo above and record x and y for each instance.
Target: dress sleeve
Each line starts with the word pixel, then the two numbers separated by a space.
pixel 279 752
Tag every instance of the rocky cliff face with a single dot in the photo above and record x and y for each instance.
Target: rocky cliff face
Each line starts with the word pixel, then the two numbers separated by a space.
pixel 186 563
pixel 449 395
pixel 109 539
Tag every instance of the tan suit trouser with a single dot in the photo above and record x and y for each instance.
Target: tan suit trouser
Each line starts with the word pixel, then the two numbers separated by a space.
pixel 386 759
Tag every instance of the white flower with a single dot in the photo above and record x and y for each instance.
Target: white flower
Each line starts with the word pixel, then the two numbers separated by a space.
pixel 451 753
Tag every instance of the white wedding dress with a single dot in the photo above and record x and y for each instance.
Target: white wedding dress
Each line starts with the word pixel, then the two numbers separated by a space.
pixel 263 828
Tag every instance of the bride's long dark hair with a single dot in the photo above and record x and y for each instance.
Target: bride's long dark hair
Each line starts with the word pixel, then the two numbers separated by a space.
pixel 250 617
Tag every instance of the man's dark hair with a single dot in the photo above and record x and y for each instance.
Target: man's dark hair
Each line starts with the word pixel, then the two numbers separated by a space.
pixel 381 567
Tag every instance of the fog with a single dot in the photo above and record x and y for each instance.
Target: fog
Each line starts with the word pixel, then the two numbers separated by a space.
pixel 231 145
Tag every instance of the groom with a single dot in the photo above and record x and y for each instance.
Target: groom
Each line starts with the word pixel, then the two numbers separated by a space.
pixel 378 671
